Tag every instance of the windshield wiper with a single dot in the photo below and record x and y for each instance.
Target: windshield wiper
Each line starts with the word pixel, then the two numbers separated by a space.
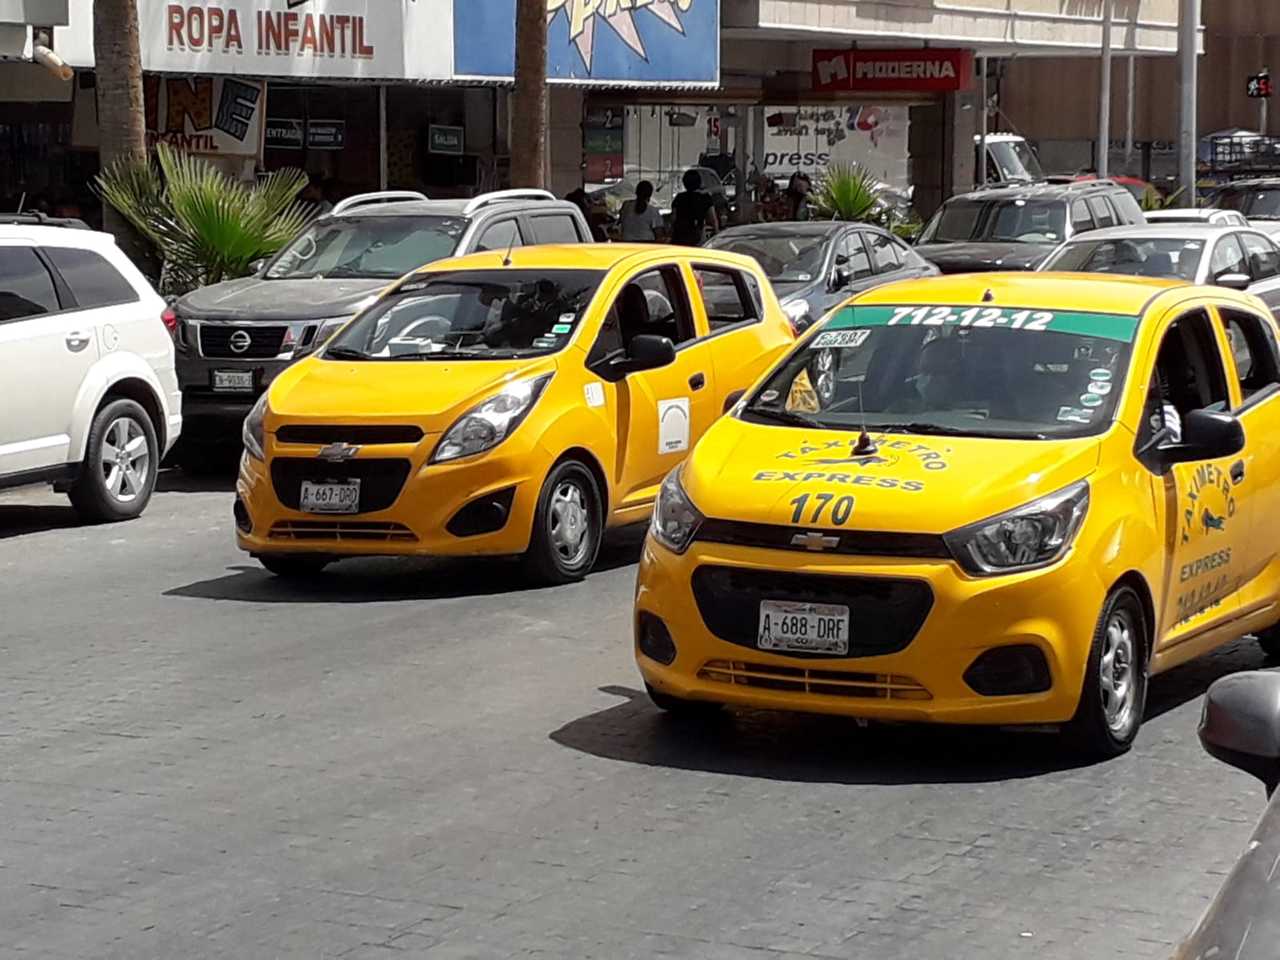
pixel 340 352
pixel 789 418
pixel 937 429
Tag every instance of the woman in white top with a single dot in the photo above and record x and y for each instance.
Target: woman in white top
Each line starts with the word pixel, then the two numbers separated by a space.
pixel 641 220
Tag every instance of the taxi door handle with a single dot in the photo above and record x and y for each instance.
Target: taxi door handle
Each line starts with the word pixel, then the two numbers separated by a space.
pixel 1237 472
pixel 697 381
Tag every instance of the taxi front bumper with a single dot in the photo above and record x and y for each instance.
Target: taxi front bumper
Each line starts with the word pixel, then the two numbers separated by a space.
pixel 1028 634
pixel 477 506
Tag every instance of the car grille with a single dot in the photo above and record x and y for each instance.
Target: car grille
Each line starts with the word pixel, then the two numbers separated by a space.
pixel 264 342
pixel 342 530
pixel 381 480
pixel 866 543
pixel 363 434
pixel 884 613
pixel 826 683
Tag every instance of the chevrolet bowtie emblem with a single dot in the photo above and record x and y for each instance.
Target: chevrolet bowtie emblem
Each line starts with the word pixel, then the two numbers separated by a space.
pixel 815 541
pixel 338 452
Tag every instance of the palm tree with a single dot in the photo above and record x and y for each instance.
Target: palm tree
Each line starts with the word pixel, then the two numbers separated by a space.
pixel 529 101
pixel 847 192
pixel 121 125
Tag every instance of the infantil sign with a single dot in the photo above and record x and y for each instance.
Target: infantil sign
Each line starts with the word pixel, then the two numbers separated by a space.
pixel 925 69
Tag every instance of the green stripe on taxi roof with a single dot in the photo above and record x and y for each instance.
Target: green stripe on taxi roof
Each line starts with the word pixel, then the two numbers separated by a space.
pixel 1106 326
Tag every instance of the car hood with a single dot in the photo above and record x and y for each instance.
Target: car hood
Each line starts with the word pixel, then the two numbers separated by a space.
pixel 430 394
pixel 255 298
pixel 910 484
pixel 792 289
pixel 979 257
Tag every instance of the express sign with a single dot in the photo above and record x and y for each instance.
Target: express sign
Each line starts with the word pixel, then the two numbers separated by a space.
pixel 926 69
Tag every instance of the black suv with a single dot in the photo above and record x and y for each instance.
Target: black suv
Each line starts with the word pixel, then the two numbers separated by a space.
pixel 233 338
pixel 1014 227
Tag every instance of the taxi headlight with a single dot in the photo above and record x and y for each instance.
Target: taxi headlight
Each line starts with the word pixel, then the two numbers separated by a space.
pixel 485 426
pixel 675 518
pixel 1031 536
pixel 253 432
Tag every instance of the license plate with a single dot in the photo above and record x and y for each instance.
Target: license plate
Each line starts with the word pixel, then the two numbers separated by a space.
pixel 330 497
pixel 233 381
pixel 803 627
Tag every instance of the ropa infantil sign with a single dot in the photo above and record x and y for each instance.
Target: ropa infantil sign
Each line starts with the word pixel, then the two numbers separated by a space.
pixel 892 70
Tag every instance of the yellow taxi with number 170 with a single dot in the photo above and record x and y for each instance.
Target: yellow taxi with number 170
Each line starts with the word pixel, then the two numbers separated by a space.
pixel 504 403
pixel 988 499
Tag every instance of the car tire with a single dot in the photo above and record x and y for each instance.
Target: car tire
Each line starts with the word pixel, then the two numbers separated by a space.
pixel 681 708
pixel 294 566
pixel 568 526
pixel 1269 641
pixel 1114 693
pixel 121 459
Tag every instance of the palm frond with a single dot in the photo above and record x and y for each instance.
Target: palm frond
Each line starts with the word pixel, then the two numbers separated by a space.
pixel 847 192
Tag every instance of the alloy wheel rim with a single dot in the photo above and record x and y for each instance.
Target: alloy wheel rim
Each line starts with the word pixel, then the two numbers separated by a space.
pixel 125 460
pixel 1117 673
pixel 570 523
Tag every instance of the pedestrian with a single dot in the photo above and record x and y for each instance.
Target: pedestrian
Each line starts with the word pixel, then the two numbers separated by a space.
pixel 641 220
pixel 798 195
pixel 692 211
pixel 578 197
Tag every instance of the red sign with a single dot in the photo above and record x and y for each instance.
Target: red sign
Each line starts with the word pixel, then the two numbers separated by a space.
pixel 927 68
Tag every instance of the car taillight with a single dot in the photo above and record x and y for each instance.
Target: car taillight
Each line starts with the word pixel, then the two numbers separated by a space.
pixel 170 320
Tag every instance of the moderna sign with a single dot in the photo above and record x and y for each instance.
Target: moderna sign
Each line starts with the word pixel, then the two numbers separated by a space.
pixel 926 70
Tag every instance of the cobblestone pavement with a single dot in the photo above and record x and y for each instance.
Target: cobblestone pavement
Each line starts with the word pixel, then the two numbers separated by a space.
pixel 429 760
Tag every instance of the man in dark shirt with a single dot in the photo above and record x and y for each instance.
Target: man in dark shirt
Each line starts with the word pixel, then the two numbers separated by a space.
pixel 691 211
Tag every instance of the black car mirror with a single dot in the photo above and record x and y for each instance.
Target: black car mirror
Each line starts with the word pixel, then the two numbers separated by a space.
pixel 1234 281
pixel 1240 724
pixel 841 277
pixel 1206 435
pixel 646 352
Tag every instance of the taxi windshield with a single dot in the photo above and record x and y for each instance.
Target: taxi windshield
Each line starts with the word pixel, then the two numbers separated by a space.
pixel 471 314
pixel 954 370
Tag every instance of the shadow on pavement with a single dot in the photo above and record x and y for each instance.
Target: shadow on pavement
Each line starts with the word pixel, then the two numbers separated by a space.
pixel 179 480
pixel 18 519
pixel 392 578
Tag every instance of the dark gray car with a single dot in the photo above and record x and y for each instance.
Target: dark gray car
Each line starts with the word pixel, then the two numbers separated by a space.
pixel 233 338
pixel 815 265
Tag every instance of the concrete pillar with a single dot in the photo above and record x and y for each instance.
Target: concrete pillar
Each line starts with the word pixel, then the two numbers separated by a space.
pixel 564 140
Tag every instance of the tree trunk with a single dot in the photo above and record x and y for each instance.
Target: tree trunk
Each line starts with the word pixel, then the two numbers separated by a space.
pixel 529 103
pixel 121 115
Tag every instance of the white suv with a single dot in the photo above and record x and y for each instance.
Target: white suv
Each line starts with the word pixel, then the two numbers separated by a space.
pixel 90 399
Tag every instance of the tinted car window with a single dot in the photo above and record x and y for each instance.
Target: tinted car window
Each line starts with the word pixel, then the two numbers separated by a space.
pixel 1081 218
pixel 554 229
pixel 784 257
pixel 1102 212
pixel 1261 203
pixel 501 236
pixel 93 281
pixel 858 261
pixel 957 220
pixel 471 314
pixel 1253 346
pixel 884 253
pixel 26 289
pixel 384 247
pixel 724 296
pixel 1027 221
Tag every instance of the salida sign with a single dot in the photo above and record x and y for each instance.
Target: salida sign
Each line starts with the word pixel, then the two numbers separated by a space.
pixel 926 69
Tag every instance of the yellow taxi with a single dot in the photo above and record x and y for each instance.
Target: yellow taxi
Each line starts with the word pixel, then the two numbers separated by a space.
pixel 989 499
pixel 503 403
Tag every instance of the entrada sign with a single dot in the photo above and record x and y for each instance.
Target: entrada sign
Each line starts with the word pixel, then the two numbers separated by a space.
pixel 925 69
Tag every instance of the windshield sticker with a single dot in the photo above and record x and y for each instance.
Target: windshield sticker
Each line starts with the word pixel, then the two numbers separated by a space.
pixel 568 318
pixel 594 393
pixel 839 338
pixel 853 479
pixel 1101 373
pixel 1100 387
pixel 1104 325
pixel 842 452
pixel 1091 400
pixel 1075 415
pixel 673 425
pixel 562 328
pixel 542 342
pixel 769 396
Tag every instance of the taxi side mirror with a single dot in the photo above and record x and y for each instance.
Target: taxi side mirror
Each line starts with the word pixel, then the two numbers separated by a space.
pixel 1240 724
pixel 1206 435
pixel 646 352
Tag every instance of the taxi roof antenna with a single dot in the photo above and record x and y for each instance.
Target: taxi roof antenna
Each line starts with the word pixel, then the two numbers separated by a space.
pixel 865 445
pixel 506 257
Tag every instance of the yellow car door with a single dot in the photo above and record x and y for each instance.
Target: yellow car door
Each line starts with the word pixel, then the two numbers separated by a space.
pixel 659 413
pixel 1202 505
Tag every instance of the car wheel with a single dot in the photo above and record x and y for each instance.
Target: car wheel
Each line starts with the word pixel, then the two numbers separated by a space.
pixel 679 707
pixel 294 566
pixel 1269 641
pixel 568 525
pixel 1115 684
pixel 822 373
pixel 121 457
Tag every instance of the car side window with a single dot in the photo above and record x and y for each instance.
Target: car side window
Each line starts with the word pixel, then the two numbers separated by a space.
pixel 554 228
pixel 1102 212
pixel 1128 209
pixel 857 261
pixel 657 304
pixel 1189 375
pixel 1264 258
pixel 1227 257
pixel 1253 346
pixel 884 253
pixel 1081 218
pixel 500 236
pixel 26 289
pixel 725 297
pixel 757 295
pixel 92 280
